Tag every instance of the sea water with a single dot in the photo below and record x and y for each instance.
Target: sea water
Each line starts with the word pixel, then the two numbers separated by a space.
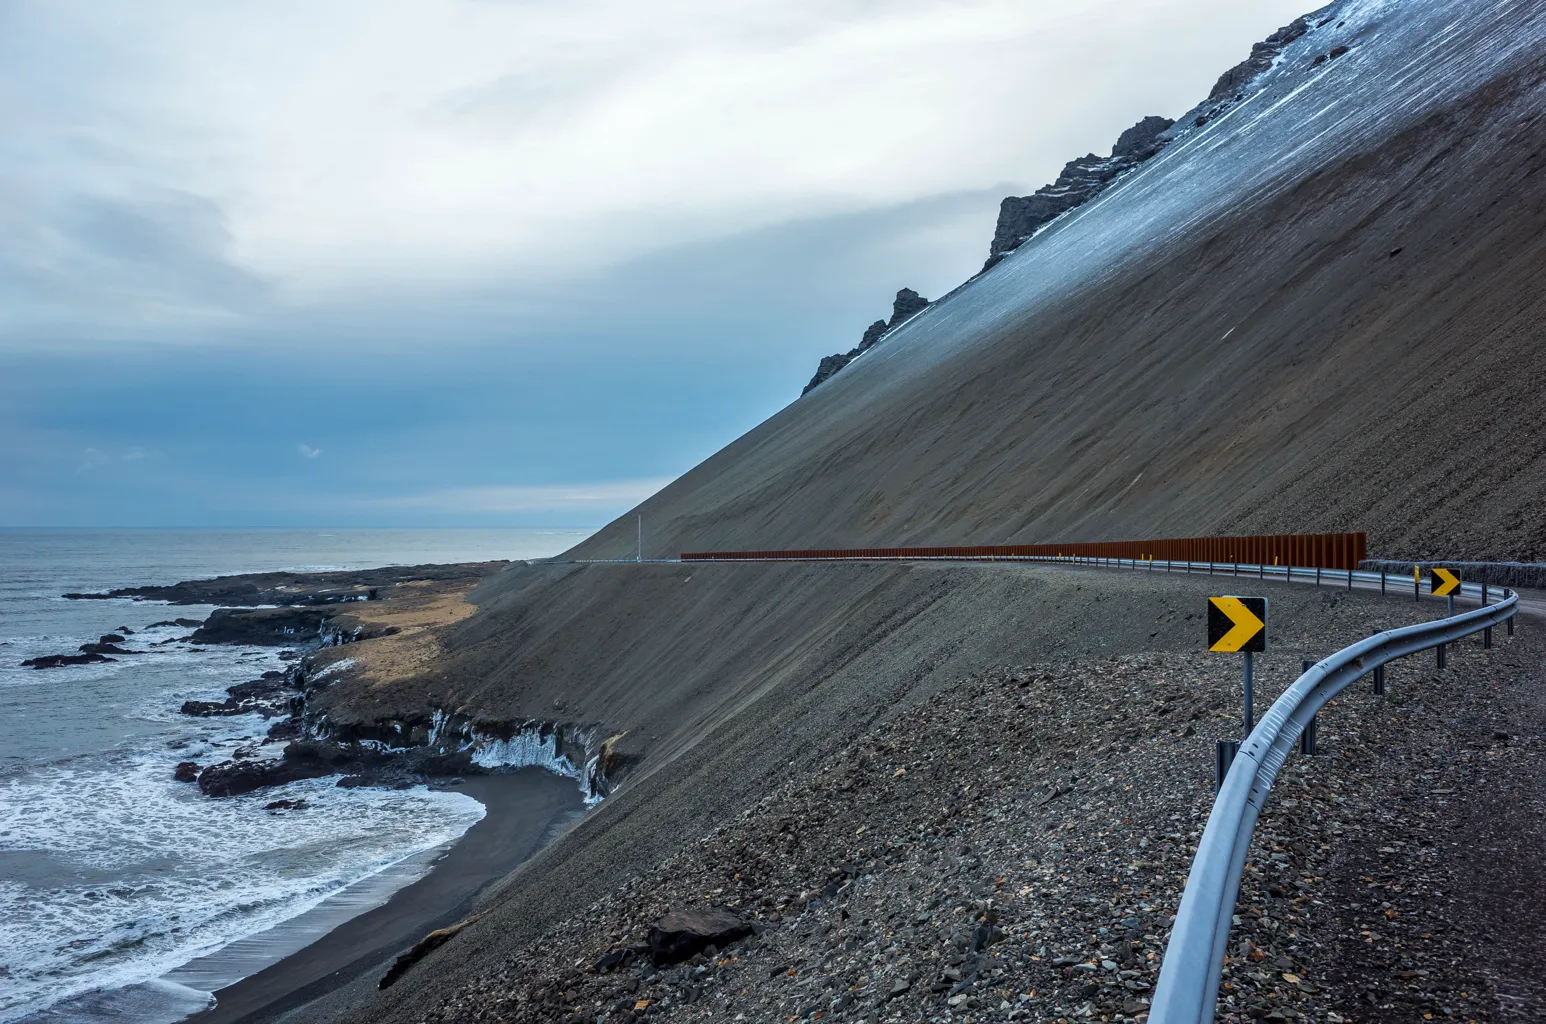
pixel 111 873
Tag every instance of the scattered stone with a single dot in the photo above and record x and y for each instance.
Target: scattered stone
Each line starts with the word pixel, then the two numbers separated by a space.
pixel 286 805
pixel 431 942
pixel 62 660
pixel 682 934
pixel 186 771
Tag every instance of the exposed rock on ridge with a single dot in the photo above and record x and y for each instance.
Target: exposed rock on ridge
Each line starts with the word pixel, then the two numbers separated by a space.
pixel 907 304
pixel 1020 217
pixel 1083 179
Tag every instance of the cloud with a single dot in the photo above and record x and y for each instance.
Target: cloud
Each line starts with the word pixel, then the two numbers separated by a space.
pixel 600 496
pixel 253 162
pixel 308 452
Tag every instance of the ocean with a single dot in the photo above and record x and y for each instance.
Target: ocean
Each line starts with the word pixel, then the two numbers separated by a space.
pixel 112 875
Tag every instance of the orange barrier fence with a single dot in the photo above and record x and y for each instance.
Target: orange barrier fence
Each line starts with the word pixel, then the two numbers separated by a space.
pixel 1311 550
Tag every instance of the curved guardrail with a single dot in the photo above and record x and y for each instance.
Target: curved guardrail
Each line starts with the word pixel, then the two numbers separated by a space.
pixel 1194 958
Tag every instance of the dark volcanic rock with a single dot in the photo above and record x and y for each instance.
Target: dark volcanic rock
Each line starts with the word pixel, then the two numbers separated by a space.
pixel 682 933
pixel 233 778
pixel 261 626
pixel 286 805
pixel 104 647
pixel 1262 55
pixel 271 695
pixel 1019 217
pixel 288 588
pixel 61 660
pixel 906 304
pixel 186 771
pixel 184 623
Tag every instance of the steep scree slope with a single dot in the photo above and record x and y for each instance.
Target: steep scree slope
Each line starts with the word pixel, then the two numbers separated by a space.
pixel 1319 309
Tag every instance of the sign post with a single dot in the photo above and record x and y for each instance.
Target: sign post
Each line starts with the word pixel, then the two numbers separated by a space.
pixel 1237 624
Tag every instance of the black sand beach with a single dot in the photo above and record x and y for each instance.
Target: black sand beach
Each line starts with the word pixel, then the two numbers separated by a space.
pixel 524 809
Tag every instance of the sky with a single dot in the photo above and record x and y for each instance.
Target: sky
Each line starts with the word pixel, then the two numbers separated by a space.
pixel 500 262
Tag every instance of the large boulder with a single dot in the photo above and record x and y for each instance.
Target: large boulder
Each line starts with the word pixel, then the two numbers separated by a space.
pixel 682 934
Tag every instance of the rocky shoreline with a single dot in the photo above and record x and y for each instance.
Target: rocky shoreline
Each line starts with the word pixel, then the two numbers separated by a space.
pixel 311 613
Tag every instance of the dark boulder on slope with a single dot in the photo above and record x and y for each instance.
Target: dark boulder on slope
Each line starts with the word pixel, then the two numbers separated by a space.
pixel 682 934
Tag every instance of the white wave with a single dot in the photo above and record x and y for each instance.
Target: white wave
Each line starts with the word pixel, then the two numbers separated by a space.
pixel 115 875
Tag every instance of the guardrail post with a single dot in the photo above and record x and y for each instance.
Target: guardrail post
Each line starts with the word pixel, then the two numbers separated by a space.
pixel 1250 720
pixel 1487 639
pixel 1440 649
pixel 1317 575
pixel 1511 625
pixel 1223 756
pixel 1417 584
pixel 1350 579
pixel 1307 738
pixel 1382 582
pixel 1379 680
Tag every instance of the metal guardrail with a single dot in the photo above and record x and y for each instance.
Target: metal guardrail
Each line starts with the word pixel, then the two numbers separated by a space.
pixel 1187 992
pixel 1188 986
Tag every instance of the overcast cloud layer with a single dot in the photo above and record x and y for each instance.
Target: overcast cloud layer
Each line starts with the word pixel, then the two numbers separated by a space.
pixel 500 261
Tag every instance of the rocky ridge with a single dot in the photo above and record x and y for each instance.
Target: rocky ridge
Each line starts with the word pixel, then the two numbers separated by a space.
pixel 906 305
pixel 1085 178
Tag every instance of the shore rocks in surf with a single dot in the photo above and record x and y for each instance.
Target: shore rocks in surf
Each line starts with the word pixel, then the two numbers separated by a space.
pixel 186 771
pixel 286 805
pixel 357 765
pixel 106 645
pixel 264 627
pixel 273 694
pixel 682 934
pixel 61 660
pixel 303 759
pixel 288 588
pixel 907 304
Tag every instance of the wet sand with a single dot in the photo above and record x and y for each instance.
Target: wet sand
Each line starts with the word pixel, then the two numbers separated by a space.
pixel 525 809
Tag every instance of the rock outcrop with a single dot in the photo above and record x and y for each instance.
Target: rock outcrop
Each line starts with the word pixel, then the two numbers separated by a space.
pixel 905 306
pixel 1231 82
pixel 1019 217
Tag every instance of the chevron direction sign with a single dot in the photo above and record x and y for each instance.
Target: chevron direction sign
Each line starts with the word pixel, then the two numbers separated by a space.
pixel 1237 624
pixel 1442 582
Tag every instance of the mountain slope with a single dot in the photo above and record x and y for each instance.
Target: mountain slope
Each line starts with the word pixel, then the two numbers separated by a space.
pixel 1317 310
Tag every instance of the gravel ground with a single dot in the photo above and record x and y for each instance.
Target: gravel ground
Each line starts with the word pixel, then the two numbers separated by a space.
pixel 1015 848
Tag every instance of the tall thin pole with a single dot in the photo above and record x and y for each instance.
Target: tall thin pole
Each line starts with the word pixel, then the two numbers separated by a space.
pixel 640 556
pixel 1250 721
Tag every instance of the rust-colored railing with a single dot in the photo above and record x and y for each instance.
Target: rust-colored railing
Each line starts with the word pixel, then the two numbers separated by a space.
pixel 1311 550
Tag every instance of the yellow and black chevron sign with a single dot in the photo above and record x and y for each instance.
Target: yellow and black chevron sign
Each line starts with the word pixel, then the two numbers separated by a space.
pixel 1237 624
pixel 1442 582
